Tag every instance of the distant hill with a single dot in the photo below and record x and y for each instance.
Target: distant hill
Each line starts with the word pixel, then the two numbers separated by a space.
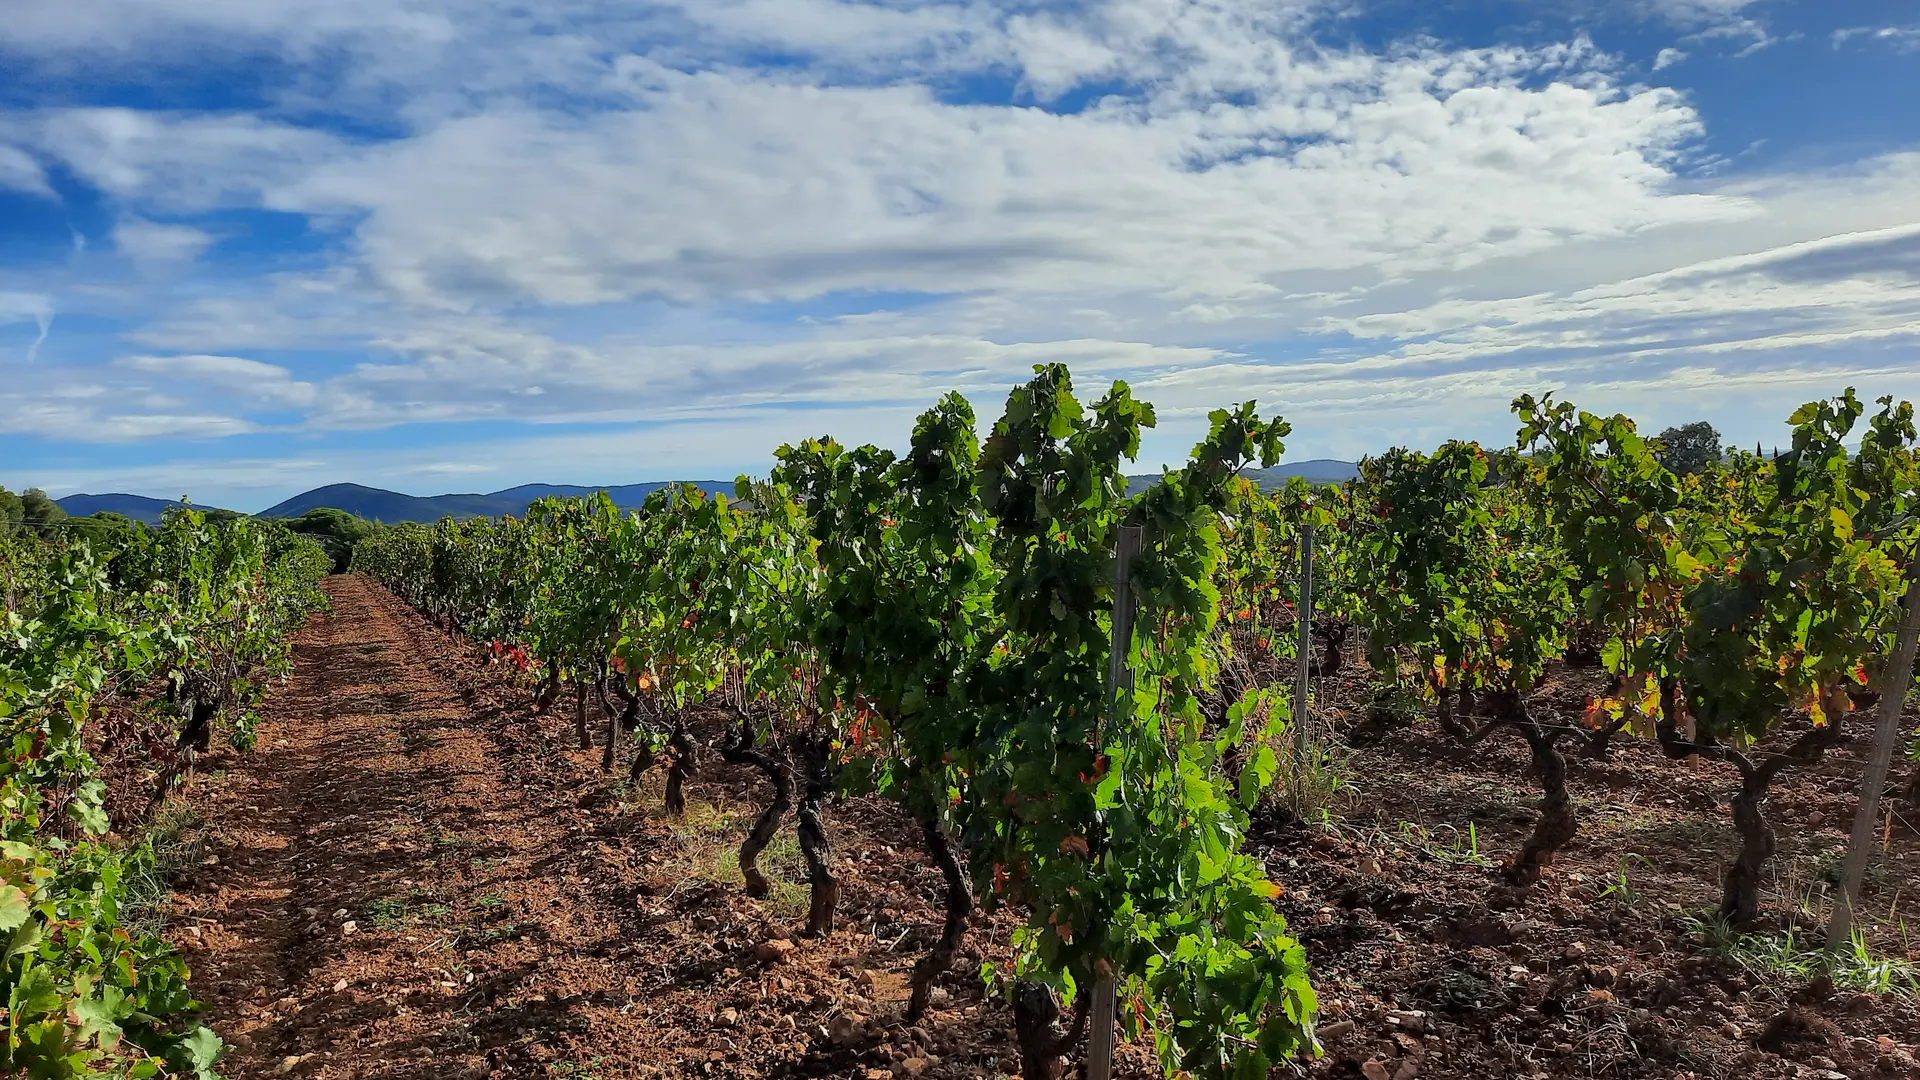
pixel 136 507
pixel 379 504
pixel 1313 470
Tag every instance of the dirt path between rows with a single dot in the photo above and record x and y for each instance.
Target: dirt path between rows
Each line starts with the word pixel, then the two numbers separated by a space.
pixel 375 815
pixel 411 878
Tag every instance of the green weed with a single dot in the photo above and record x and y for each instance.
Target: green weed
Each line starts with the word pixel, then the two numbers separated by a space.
pixel 1787 954
pixel 1444 843
pixel 1309 783
pixel 1439 843
pixel 1619 888
pixel 398 913
pixel 175 840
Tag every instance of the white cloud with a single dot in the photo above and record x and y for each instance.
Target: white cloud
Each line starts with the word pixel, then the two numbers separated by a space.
pixel 1236 154
pixel 453 468
pixel 142 398
pixel 727 186
pixel 84 419
pixel 1724 315
pixel 37 308
pixel 614 214
pixel 461 370
pixel 1698 12
pixel 152 241
pixel 237 375
pixel 20 172
pixel 184 162
pixel 1900 38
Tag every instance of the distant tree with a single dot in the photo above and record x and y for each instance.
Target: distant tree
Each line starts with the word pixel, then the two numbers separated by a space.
pixel 1690 448
pixel 337 530
pixel 37 510
pixel 11 516
pixel 104 528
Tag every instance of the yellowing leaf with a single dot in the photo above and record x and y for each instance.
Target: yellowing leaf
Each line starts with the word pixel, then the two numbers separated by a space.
pixel 14 907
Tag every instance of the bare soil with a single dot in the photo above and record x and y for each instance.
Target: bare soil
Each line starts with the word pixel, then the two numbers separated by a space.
pixel 413 876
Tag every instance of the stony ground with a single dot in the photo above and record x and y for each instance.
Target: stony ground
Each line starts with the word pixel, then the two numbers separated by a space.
pixel 413 876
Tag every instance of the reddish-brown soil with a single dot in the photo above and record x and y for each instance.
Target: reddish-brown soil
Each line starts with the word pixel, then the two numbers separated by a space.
pixel 414 877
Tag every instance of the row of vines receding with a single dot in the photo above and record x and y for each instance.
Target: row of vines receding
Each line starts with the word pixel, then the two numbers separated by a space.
pixel 133 645
pixel 938 627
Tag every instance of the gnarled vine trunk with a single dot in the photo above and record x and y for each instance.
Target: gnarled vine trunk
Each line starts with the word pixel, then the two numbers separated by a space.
pixel 1666 729
pixel 643 759
pixel 686 765
pixel 629 702
pixel 740 750
pixel 814 754
pixel 1556 824
pixel 613 722
pixel 1740 888
pixel 549 689
pixel 197 734
pixel 1036 1028
pixel 643 756
pixel 1455 713
pixel 1600 742
pixel 580 713
pixel 959 907
pixel 1333 637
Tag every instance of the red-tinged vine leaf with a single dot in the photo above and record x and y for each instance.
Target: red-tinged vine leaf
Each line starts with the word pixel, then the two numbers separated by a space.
pixel 1593 714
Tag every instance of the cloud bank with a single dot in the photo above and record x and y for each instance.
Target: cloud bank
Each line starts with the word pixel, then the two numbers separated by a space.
pixel 631 231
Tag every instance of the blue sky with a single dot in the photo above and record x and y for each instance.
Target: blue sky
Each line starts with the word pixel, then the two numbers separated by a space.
pixel 252 246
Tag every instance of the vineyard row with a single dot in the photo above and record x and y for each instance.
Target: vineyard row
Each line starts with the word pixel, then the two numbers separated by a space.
pixel 946 628
pixel 133 645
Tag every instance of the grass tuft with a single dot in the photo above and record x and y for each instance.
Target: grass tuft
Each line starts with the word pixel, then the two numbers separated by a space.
pixel 400 912
pixel 708 839
pixel 176 839
pixel 1787 954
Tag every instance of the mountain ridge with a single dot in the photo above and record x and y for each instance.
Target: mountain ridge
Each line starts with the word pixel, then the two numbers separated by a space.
pixel 140 508
pixel 381 504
